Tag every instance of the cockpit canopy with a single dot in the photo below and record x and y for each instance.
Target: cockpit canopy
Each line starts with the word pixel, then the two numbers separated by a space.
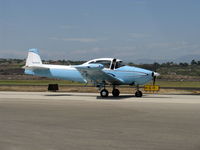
pixel 109 63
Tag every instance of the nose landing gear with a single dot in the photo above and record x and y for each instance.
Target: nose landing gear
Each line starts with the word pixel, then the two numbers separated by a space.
pixel 138 93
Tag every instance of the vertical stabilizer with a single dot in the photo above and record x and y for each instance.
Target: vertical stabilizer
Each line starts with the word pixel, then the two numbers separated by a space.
pixel 33 58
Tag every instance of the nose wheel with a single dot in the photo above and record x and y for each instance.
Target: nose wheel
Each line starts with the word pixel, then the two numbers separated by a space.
pixel 138 94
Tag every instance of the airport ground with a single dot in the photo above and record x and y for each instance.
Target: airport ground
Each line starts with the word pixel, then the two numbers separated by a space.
pixel 173 87
pixel 80 121
pixel 92 89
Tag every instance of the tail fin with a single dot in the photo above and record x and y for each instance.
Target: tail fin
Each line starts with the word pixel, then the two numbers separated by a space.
pixel 33 58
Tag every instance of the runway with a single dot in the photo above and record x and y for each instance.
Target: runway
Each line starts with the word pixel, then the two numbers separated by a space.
pixel 83 121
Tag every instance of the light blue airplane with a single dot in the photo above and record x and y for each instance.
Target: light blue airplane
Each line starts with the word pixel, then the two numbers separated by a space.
pixel 100 72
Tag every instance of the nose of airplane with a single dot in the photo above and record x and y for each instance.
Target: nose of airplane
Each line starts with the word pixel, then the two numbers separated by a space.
pixel 155 74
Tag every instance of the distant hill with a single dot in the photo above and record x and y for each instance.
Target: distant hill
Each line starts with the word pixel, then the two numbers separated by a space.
pixel 187 59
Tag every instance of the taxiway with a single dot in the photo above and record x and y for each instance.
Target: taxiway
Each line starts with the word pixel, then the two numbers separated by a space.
pixel 79 121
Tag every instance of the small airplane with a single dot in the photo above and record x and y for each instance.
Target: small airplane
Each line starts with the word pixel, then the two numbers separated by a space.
pixel 100 72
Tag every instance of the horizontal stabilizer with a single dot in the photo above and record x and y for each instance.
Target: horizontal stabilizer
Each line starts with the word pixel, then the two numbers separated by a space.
pixel 34 67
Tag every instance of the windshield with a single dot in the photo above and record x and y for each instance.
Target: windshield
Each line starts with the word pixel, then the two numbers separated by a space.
pixel 106 63
pixel 119 64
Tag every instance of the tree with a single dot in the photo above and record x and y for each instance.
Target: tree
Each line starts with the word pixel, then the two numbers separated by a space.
pixel 183 64
pixel 193 62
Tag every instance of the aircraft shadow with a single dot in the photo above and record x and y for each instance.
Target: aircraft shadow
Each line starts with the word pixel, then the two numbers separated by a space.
pixel 97 97
pixel 115 98
pixel 129 96
pixel 59 95
pixel 107 98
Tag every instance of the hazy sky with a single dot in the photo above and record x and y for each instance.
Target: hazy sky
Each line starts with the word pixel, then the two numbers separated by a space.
pixel 84 29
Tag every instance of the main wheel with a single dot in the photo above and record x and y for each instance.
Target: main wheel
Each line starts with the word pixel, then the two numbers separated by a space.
pixel 138 94
pixel 104 93
pixel 115 92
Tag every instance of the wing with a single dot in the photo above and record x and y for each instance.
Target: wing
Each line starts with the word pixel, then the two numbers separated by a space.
pixel 95 73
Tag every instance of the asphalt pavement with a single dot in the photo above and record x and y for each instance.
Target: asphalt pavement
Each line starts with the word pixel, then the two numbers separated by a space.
pixel 83 121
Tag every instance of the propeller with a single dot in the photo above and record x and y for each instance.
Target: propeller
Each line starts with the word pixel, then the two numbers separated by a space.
pixel 154 80
pixel 155 74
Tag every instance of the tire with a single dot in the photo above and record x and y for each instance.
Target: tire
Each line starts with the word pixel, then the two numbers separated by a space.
pixel 104 93
pixel 138 94
pixel 115 92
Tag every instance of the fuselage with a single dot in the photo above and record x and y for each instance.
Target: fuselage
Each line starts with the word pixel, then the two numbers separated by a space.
pixel 130 75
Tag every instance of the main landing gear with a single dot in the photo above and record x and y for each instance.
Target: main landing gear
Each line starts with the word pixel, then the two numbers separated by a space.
pixel 105 93
pixel 115 92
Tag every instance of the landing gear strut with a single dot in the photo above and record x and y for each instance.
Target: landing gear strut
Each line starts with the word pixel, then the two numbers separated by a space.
pixel 138 93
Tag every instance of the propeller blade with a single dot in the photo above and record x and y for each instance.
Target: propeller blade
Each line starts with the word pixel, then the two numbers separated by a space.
pixel 154 75
pixel 154 80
